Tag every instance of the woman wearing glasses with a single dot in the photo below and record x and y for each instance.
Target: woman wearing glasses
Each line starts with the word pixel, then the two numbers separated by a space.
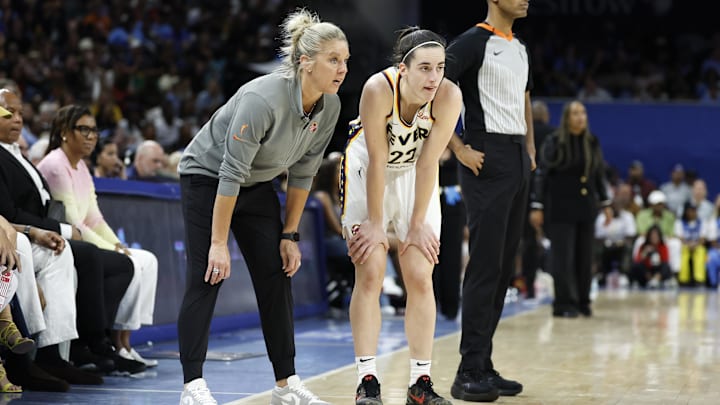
pixel 73 136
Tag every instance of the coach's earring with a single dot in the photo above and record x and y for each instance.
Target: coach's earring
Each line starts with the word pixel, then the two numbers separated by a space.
pixel 309 70
pixel 64 139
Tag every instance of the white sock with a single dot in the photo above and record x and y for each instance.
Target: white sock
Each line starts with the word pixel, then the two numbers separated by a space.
pixel 366 366
pixel 418 368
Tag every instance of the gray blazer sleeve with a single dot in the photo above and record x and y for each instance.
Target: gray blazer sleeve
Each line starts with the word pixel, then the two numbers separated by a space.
pixel 250 121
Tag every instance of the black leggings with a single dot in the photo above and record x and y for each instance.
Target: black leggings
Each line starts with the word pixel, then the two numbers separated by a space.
pixel 256 226
pixel 446 275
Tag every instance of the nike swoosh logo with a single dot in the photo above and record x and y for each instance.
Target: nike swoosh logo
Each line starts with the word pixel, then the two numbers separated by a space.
pixel 364 360
pixel 422 364
pixel 496 53
pixel 420 399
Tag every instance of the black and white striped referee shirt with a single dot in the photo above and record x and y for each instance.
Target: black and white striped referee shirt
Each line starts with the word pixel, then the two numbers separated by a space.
pixel 493 72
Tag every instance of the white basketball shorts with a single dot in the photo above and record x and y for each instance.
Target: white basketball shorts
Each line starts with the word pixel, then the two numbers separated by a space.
pixel 398 198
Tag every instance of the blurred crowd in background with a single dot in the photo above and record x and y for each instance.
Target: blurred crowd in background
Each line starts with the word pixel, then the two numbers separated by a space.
pixel 157 70
pixel 148 69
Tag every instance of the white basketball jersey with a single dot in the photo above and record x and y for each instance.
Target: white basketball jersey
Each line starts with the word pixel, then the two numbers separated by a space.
pixel 405 139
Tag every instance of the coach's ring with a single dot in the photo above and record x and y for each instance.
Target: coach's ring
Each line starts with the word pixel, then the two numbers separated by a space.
pixel 215 270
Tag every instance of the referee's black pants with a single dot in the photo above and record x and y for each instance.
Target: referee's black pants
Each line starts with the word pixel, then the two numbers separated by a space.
pixel 446 274
pixel 256 225
pixel 496 202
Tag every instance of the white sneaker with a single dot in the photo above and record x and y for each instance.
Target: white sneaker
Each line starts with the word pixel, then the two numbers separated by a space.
pixel 125 354
pixel 511 295
pixel 137 357
pixel 196 392
pixel 294 393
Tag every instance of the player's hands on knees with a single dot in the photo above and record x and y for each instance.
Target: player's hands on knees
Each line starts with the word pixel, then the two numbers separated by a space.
pixel 218 268
pixel 422 237
pixel 291 256
pixel 365 238
pixel 471 158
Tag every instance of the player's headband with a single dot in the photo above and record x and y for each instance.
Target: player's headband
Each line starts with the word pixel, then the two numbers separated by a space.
pixel 418 46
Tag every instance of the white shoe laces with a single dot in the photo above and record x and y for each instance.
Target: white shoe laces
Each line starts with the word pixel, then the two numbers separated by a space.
pixel 202 394
pixel 302 391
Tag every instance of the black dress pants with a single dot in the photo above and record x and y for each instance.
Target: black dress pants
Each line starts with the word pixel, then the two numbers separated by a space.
pixel 103 278
pixel 256 225
pixel 571 264
pixel 496 202
pixel 446 275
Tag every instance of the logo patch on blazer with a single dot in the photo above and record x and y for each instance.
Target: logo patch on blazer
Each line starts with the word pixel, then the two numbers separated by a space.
pixel 313 126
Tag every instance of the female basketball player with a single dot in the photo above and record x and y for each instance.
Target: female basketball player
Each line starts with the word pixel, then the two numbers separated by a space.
pixel 390 168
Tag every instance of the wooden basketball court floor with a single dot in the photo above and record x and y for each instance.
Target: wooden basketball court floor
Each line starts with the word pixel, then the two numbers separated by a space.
pixel 640 347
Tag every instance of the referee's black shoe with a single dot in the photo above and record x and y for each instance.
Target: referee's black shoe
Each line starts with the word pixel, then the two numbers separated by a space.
pixel 474 385
pixel 505 387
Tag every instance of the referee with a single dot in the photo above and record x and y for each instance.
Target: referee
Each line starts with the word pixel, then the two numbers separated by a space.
pixel 492 68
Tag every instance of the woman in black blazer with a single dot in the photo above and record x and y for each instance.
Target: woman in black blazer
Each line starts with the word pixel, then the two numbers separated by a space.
pixel 569 188
pixel 103 276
